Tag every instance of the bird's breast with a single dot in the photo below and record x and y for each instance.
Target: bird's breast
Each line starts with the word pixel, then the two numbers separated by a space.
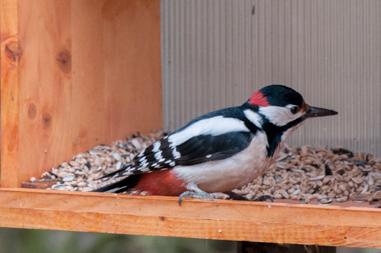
pixel 233 172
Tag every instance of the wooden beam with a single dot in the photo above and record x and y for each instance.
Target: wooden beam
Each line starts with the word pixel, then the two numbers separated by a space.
pixel 162 216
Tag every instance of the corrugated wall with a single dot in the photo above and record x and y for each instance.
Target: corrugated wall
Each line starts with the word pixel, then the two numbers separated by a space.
pixel 216 52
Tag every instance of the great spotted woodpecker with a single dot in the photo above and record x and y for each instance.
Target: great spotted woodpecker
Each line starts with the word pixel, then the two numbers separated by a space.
pixel 219 151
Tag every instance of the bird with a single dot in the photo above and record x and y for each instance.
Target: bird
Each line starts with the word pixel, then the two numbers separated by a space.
pixel 219 151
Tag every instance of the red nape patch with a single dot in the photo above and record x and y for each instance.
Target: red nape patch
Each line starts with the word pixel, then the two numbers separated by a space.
pixel 161 183
pixel 258 99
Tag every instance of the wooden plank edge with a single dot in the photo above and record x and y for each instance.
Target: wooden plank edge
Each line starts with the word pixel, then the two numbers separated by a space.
pixel 161 216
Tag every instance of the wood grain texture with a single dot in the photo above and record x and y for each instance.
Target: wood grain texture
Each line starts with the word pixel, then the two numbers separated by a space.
pixel 162 216
pixel 10 53
pixel 89 73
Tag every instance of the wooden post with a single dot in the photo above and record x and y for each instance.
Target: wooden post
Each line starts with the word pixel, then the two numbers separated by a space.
pixel 74 74
pixel 10 53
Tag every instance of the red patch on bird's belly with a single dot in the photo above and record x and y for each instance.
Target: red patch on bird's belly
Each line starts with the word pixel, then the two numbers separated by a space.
pixel 258 99
pixel 162 182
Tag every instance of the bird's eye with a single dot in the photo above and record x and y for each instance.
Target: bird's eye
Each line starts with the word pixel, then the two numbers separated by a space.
pixel 294 109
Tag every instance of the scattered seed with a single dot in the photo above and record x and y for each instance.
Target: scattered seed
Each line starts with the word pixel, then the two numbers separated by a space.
pixel 327 175
pixel 68 178
pixel 83 171
pixel 303 173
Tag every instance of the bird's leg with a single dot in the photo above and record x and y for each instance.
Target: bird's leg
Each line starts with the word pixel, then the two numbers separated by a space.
pixel 193 191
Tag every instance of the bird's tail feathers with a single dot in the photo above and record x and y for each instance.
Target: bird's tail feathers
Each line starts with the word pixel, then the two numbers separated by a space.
pixel 125 179
pixel 125 171
pixel 121 185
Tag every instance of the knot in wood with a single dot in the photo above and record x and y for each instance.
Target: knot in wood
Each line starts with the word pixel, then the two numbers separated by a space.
pixel 32 111
pixel 64 60
pixel 13 51
pixel 46 120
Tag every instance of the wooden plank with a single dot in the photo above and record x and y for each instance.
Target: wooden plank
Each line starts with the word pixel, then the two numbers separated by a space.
pixel 162 216
pixel 89 73
pixel 10 53
pixel 45 86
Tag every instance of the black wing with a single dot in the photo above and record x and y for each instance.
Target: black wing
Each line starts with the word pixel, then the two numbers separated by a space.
pixel 206 148
pixel 194 148
pixel 161 155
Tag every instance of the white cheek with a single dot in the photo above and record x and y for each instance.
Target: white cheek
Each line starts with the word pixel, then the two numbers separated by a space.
pixel 278 115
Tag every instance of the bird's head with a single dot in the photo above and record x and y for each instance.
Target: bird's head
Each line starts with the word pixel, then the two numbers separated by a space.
pixel 284 107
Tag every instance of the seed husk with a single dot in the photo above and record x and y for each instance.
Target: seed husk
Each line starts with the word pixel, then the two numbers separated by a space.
pixel 303 173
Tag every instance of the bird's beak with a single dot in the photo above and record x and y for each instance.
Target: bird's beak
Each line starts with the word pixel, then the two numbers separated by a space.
pixel 313 111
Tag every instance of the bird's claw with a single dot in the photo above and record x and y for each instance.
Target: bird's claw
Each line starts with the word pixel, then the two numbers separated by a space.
pixel 201 195
pixel 193 194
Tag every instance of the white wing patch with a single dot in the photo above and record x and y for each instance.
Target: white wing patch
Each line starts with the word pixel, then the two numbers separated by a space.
pixel 214 126
pixel 176 154
pixel 156 146
pixel 158 153
pixel 255 118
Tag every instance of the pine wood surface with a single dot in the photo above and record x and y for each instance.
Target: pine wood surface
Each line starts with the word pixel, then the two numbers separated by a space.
pixel 74 73
pixel 329 225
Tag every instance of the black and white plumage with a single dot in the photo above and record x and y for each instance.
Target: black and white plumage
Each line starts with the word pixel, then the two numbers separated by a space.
pixel 214 136
pixel 220 150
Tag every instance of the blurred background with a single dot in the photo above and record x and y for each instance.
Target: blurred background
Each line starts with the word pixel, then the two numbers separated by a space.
pixel 216 52
pixel 40 241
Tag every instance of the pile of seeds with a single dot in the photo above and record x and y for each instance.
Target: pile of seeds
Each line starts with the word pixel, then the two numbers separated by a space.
pixel 316 174
pixel 84 170
pixel 305 173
